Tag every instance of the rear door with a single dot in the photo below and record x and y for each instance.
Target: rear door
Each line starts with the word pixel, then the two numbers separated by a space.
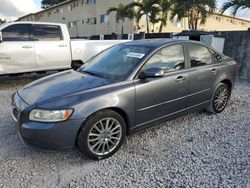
pixel 157 98
pixel 52 48
pixel 17 49
pixel 203 75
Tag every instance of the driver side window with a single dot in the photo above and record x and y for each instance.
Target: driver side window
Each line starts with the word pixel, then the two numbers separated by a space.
pixel 170 58
pixel 16 33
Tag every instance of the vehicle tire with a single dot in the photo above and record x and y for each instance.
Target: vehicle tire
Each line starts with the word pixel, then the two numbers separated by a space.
pixel 220 99
pixel 102 134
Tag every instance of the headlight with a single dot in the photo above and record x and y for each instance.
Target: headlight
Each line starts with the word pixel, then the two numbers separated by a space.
pixel 50 115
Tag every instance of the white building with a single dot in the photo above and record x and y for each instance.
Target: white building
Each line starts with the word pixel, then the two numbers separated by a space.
pixel 88 17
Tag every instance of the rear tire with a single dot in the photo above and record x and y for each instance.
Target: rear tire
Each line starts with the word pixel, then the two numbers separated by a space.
pixel 102 135
pixel 220 99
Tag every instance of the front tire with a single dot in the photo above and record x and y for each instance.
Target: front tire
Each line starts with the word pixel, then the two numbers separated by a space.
pixel 220 99
pixel 102 135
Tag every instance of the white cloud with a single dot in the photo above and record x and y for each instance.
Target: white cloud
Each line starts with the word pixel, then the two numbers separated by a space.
pixel 12 9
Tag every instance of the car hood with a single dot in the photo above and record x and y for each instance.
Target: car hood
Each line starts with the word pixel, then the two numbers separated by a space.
pixel 59 85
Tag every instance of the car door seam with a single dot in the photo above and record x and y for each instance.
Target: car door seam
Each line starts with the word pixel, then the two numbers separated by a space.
pixel 188 108
pixel 170 101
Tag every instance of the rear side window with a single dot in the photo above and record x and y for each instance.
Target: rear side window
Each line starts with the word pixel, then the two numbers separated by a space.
pixel 199 55
pixel 170 58
pixel 217 57
pixel 17 32
pixel 47 33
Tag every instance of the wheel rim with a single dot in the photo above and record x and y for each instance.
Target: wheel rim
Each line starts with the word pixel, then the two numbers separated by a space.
pixel 104 136
pixel 221 97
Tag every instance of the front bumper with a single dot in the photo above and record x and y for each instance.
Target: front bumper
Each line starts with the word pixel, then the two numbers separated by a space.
pixel 43 136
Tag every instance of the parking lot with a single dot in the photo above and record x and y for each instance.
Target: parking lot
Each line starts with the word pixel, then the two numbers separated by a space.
pixel 195 150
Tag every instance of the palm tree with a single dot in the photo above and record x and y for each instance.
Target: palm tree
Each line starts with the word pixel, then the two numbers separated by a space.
pixel 146 7
pixel 165 7
pixel 235 5
pixel 137 16
pixel 153 18
pixel 2 21
pixel 122 12
pixel 194 10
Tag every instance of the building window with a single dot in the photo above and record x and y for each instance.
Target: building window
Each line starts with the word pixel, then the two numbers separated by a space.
pixel 92 2
pixel 48 14
pixel 92 21
pixel 104 18
pixel 218 18
pixel 71 7
pixel 61 10
pixel 71 24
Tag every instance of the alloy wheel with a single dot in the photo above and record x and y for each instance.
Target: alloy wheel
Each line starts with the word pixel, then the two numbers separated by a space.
pixel 104 136
pixel 221 98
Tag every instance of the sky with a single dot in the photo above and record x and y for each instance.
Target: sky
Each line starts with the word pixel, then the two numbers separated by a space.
pixel 12 9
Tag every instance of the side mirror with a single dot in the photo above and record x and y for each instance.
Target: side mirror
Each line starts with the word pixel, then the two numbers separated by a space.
pixel 218 58
pixel 152 72
pixel 1 37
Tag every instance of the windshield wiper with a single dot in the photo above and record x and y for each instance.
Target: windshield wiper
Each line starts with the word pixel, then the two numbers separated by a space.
pixel 92 73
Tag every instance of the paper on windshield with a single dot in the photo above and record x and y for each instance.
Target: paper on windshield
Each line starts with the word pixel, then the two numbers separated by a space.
pixel 136 55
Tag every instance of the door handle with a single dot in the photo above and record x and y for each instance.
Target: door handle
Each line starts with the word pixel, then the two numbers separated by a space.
pixel 179 79
pixel 214 71
pixel 27 46
pixel 63 45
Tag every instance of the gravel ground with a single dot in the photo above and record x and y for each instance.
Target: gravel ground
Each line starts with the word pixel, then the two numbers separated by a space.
pixel 195 150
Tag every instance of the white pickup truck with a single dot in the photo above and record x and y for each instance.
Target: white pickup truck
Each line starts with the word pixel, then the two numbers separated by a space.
pixel 36 46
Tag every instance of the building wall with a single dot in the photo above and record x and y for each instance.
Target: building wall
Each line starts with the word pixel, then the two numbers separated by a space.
pixel 217 22
pixel 83 18
pixel 237 46
pixel 80 17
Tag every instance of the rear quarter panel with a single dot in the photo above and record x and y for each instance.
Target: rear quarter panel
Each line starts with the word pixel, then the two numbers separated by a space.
pixel 227 71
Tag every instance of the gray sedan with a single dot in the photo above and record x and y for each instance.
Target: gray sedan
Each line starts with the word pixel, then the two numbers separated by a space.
pixel 120 91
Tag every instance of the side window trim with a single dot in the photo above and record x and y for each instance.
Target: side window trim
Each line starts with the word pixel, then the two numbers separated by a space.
pixel 188 55
pixel 162 48
pixel 29 32
pixel 33 29
pixel 158 49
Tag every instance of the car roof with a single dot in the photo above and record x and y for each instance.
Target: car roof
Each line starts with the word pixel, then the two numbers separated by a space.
pixel 156 42
pixel 29 22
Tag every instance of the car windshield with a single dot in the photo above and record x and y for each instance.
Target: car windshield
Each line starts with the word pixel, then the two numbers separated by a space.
pixel 116 62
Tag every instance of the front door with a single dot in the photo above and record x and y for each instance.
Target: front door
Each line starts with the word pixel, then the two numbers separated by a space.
pixel 17 50
pixel 162 97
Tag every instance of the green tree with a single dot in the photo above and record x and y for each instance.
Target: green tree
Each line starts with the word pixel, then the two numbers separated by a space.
pixel 146 7
pixel 153 18
pixel 165 8
pixel 122 13
pixel 48 3
pixel 195 10
pixel 137 16
pixel 2 21
pixel 235 5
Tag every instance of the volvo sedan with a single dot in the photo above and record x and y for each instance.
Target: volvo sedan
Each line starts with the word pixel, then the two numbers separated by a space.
pixel 120 91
